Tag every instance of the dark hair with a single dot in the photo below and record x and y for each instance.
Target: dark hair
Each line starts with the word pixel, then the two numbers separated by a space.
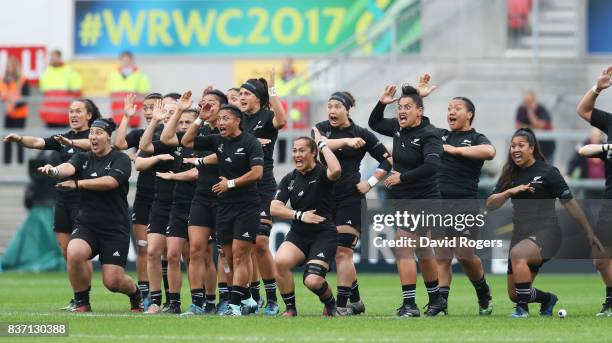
pixel 173 95
pixel 221 97
pixel 195 112
pixel 90 107
pixel 155 96
pixel 235 111
pixel 312 145
pixel 345 98
pixel 470 106
pixel 126 53
pixel 56 51
pixel 106 124
pixel 410 92
pixel 510 169
pixel 259 87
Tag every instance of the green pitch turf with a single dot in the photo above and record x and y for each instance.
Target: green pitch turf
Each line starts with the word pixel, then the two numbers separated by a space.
pixel 35 298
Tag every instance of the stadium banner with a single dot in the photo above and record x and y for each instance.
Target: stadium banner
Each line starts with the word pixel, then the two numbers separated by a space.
pixel 31 59
pixel 598 22
pixel 215 27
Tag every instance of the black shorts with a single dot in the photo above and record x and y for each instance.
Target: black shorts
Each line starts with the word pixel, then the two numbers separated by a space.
pixel 320 245
pixel 348 212
pixel 65 212
pixel 266 195
pixel 159 217
pixel 203 212
pixel 112 247
pixel 141 210
pixel 459 210
pixel 549 242
pixel 177 224
pixel 237 221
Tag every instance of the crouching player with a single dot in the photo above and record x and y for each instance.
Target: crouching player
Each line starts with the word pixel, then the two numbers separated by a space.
pixel 313 237
pixel 102 228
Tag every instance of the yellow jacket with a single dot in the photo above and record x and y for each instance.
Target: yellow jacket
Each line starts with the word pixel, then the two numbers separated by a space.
pixel 60 78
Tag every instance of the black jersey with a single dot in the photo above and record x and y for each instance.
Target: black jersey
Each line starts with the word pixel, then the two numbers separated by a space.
pixel 310 191
pixel 261 125
pixel 103 210
pixel 235 157
pixel 66 153
pixel 536 210
pixel 412 148
pixel 458 177
pixel 208 175
pixel 350 158
pixel 603 121
pixel 145 184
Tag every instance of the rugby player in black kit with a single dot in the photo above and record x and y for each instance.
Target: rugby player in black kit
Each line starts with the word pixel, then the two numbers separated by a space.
pixel 240 161
pixel 102 227
pixel 145 184
pixel 81 113
pixel 350 142
pixel 533 185
pixel 255 103
pixel 603 121
pixel 312 239
pixel 417 149
pixel 465 151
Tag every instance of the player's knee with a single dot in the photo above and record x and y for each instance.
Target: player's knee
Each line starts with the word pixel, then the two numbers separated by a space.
pixel 141 248
pixel 445 263
pixel 344 254
pixel 174 257
pixel 196 253
pixel 239 256
pixel 76 255
pixel 601 264
pixel 154 254
pixel 283 265
pixel 314 276
pixel 112 282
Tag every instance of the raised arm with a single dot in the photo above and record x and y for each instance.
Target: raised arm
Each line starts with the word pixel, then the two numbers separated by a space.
pixel 280 117
pixel 146 141
pixel 333 165
pixel 377 121
pixel 168 135
pixel 129 110
pixel 587 104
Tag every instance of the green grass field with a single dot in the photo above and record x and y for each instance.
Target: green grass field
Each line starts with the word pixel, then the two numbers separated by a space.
pixel 35 298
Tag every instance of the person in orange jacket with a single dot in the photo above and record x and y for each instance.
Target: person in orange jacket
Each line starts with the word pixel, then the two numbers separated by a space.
pixel 12 87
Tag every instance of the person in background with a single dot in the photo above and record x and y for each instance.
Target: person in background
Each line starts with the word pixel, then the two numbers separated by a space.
pixel 59 84
pixel 12 87
pixel 126 79
pixel 534 115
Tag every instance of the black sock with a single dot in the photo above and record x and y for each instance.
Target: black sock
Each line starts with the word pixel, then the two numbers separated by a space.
pixel 223 291
pixel 237 295
pixel 289 300
pixel 82 297
pixel 482 289
pixel 408 294
pixel 355 297
pixel 539 296
pixel 444 292
pixel 523 294
pixel 608 295
pixel 174 298
pixel 343 295
pixel 143 286
pixel 164 264
pixel 156 297
pixel 270 286
pixel 210 300
pixel 247 294
pixel 254 289
pixel 432 290
pixel 197 297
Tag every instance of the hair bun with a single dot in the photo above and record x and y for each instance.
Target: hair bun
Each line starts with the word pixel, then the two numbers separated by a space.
pixel 409 90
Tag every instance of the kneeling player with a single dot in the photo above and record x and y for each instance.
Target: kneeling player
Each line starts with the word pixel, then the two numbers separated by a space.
pixel 102 224
pixel 313 237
